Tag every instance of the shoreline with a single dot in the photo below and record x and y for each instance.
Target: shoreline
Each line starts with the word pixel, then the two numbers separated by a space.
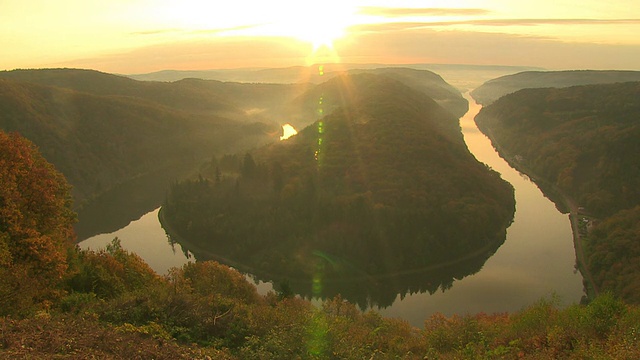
pixel 563 202
pixel 490 247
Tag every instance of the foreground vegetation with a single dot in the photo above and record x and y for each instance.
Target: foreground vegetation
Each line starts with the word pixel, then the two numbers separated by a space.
pixel 114 306
pixel 584 141
pixel 57 301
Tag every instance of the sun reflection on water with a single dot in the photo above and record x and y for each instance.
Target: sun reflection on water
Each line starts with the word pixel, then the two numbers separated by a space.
pixel 288 131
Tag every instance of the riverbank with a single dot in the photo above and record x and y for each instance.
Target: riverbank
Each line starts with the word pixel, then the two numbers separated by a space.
pixel 191 248
pixel 533 263
pixel 481 253
pixel 563 202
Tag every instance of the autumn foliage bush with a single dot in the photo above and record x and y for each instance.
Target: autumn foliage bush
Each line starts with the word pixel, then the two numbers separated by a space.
pixel 36 226
pixel 109 272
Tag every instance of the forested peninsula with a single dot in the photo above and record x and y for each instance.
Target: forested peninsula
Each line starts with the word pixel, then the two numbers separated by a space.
pixel 382 184
pixel 585 141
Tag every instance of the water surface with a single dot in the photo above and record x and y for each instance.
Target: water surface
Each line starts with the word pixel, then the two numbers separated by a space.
pixel 537 259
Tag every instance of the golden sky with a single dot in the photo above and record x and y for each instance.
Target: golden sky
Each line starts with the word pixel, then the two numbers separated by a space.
pixel 138 36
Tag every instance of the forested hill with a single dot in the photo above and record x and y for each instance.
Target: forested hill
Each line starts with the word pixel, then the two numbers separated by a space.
pixel 585 140
pixel 430 83
pixel 494 89
pixel 384 183
pixel 103 130
pixel 333 93
pixel 423 80
pixel 210 97
pixel 98 141
pixel 247 102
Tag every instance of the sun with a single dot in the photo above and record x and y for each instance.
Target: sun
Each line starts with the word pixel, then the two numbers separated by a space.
pixel 320 23
pixel 319 32
pixel 316 23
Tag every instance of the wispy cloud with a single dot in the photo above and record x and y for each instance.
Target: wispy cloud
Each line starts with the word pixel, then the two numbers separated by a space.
pixel 389 27
pixel 429 45
pixel 405 26
pixel 533 22
pixel 202 53
pixel 221 30
pixel 156 32
pixel 195 32
pixel 407 12
pixel 417 45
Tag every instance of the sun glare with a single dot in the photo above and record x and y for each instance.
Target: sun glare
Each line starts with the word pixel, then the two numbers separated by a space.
pixel 288 131
pixel 319 32
pixel 320 24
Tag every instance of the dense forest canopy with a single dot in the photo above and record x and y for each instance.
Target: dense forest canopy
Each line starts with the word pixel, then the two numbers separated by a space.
pixel 99 141
pixel 493 89
pixel 584 140
pixel 427 82
pixel 419 77
pixel 382 184
pixel 103 130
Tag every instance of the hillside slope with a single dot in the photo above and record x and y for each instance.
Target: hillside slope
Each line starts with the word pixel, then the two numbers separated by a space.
pixel 98 141
pixel 422 80
pixel 384 183
pixel 231 100
pixel 584 140
pixel 427 82
pixel 496 88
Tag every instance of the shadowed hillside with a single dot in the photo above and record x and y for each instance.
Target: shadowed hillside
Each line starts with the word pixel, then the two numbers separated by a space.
pixel 102 129
pixel 585 141
pixel 494 89
pixel 209 97
pixel 427 82
pixel 423 80
pixel 98 141
pixel 381 185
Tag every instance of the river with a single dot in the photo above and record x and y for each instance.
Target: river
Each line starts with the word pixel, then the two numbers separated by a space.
pixel 536 261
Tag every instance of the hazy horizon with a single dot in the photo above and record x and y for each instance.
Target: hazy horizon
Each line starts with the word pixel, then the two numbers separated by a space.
pixel 132 37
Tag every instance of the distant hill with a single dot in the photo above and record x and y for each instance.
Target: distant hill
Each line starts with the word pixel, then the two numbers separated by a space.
pixel 584 140
pixel 420 79
pixel 231 100
pixel 112 132
pixel 427 82
pixel 383 184
pixel 496 88
pixel 297 74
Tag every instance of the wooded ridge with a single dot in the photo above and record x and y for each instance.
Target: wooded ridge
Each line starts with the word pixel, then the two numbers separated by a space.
pixel 585 141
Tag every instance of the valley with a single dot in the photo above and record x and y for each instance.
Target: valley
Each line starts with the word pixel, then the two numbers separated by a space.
pixel 95 219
